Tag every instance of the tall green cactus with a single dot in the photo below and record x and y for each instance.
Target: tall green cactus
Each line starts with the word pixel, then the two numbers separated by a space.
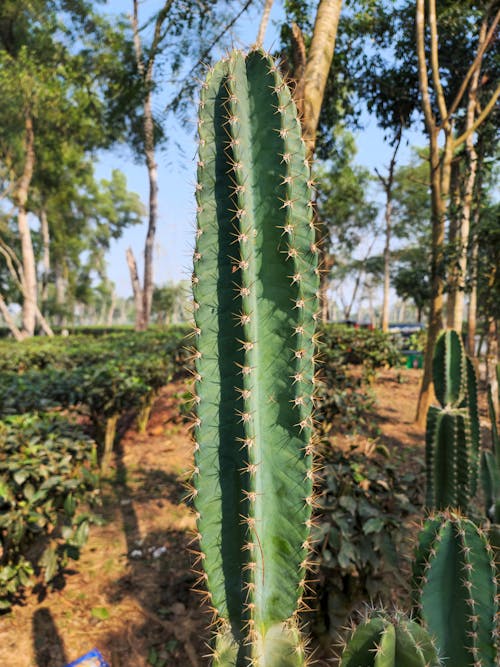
pixel 452 434
pixel 455 591
pixel 254 284
pixel 390 641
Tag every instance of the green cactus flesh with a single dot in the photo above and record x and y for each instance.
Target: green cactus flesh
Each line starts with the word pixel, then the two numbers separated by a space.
pixel 450 464
pixel 449 369
pixel 452 435
pixel 254 285
pixel 455 590
pixel 384 641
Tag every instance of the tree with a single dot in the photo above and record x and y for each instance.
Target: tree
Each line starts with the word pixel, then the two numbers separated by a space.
pixel 48 96
pixel 181 33
pixel 346 213
pixel 439 114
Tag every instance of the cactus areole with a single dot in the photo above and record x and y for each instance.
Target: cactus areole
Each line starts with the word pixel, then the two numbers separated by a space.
pixel 254 285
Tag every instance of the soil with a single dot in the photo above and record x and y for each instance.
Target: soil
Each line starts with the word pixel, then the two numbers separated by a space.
pixel 131 593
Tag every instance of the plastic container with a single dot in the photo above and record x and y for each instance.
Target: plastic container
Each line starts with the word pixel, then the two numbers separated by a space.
pixel 91 659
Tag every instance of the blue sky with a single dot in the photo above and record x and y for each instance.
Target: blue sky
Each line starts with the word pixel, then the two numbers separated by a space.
pixel 176 173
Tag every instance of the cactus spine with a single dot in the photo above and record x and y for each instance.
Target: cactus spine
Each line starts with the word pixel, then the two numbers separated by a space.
pixel 254 285
pixel 452 434
pixel 384 641
pixel 455 590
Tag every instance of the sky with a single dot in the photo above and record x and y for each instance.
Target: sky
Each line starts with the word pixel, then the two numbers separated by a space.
pixel 176 173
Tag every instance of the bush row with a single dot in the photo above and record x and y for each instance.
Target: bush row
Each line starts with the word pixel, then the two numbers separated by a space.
pixel 48 484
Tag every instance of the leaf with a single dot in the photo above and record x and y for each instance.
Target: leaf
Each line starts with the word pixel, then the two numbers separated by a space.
pixel 70 505
pixel 348 503
pixel 50 562
pixel 373 525
pixel 100 613
pixel 20 476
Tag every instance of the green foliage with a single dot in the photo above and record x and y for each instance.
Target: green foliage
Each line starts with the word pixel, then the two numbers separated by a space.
pixel 254 286
pixel 47 480
pixel 360 533
pixel 103 378
pixel 383 640
pixel 347 361
pixel 452 433
pixel 455 589
pixel 371 349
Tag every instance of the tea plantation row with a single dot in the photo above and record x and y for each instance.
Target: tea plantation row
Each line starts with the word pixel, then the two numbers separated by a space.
pixel 60 403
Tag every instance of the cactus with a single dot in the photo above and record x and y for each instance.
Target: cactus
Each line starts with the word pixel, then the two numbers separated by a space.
pixel 452 434
pixel 390 641
pixel 254 285
pixel 490 466
pixel 455 590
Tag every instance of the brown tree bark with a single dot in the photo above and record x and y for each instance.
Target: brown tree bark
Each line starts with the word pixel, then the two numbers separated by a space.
pixel 136 289
pixel 9 320
pixel 319 61
pixel 263 23
pixel 455 310
pixel 44 229
pixel 145 68
pixel 27 254
pixel 387 183
pixel 311 71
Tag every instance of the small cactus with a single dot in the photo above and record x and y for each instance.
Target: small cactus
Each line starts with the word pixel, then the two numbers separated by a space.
pixel 455 590
pixel 390 641
pixel 254 286
pixel 452 434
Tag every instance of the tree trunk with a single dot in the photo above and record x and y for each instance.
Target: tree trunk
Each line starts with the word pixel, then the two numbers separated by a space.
pixel 319 60
pixel 111 311
pixel 45 233
pixel 472 311
pixel 136 290
pixel 457 287
pixel 263 23
pixel 440 185
pixel 9 321
pixel 387 184
pixel 28 256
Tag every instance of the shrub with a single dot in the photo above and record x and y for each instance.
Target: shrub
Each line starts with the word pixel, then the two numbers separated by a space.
pixel 47 483
pixel 360 530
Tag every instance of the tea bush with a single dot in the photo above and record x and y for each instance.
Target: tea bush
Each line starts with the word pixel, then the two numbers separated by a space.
pixel 360 532
pixel 48 483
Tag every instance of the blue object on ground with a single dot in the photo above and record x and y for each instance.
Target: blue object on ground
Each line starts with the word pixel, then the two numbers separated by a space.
pixel 91 659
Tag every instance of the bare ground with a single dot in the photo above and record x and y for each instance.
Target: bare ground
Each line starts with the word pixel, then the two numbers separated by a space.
pixel 130 594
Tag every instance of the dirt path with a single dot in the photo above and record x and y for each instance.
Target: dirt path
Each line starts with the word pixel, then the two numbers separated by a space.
pixel 130 595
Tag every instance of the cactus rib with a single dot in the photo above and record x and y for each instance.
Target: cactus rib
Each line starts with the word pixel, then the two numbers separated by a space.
pixel 455 589
pixel 254 285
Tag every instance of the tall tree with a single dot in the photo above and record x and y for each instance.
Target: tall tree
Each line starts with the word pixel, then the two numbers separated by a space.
pixel 440 118
pixel 37 41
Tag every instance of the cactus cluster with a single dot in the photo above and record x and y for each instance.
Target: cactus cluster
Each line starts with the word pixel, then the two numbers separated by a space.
pixel 254 285
pixel 455 590
pixel 452 434
pixel 383 640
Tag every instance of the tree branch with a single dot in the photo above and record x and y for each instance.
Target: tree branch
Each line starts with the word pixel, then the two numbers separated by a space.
pixel 207 51
pixel 435 61
pixel 479 120
pixel 263 23
pixel 475 65
pixel 423 79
